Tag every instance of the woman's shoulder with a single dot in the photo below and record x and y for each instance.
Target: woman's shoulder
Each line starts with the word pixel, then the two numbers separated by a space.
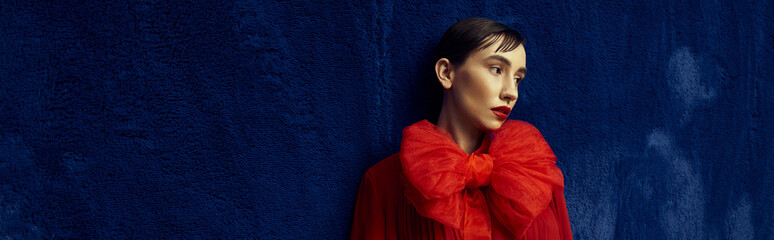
pixel 385 170
pixel 382 182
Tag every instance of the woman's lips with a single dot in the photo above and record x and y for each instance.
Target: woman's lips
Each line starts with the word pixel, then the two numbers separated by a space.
pixel 501 112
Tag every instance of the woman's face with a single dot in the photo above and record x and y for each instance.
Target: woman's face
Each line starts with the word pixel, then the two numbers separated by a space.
pixel 485 87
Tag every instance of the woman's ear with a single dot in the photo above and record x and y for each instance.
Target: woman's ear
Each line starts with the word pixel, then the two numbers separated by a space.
pixel 444 72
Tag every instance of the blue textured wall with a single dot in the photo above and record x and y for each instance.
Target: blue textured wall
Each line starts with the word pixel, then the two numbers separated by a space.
pixel 256 120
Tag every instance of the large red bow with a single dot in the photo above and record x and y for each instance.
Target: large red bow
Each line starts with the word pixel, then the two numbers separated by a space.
pixel 443 183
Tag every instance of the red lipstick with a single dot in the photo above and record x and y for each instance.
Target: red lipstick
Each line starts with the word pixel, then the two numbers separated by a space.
pixel 501 111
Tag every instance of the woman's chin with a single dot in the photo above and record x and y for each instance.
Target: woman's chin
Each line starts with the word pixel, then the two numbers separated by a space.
pixel 491 126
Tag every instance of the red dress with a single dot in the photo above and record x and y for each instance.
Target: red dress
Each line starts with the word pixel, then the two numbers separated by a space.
pixel 509 188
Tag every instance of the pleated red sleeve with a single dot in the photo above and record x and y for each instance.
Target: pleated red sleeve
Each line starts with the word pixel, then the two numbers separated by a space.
pixel 560 214
pixel 368 222
pixel 378 202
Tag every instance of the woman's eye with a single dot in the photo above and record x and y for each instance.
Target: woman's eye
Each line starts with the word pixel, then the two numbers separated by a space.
pixel 495 70
pixel 517 80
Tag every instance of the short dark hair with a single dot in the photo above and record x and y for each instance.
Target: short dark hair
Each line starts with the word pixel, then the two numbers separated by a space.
pixel 471 34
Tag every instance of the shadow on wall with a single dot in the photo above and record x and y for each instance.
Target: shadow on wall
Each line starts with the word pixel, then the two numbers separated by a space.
pixel 15 202
pixel 666 177
pixel 688 86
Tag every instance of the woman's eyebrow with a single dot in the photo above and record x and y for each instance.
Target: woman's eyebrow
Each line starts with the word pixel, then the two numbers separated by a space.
pixel 499 58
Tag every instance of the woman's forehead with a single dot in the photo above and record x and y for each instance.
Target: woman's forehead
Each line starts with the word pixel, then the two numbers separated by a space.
pixel 515 57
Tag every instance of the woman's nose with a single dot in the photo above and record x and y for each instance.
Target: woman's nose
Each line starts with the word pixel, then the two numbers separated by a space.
pixel 509 92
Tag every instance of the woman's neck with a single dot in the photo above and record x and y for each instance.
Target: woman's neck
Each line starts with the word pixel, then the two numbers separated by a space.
pixel 467 136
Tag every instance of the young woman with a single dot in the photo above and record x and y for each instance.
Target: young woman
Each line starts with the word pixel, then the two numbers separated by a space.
pixel 473 174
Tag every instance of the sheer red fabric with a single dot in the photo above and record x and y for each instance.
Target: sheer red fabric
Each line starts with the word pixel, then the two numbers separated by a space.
pixel 509 188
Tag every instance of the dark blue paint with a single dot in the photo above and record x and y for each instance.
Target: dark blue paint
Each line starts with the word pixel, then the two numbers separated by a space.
pixel 256 119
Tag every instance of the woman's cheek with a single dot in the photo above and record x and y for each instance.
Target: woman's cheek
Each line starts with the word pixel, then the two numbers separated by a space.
pixel 480 86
